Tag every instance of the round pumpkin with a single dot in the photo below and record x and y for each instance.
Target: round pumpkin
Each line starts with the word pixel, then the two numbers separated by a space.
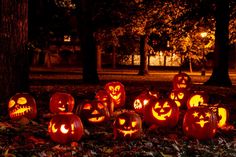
pixel 162 112
pixel 200 123
pixel 179 96
pixel 22 105
pixel 65 128
pixel 127 125
pixel 197 98
pixel 182 81
pixel 103 96
pixel 61 102
pixel 116 91
pixel 93 112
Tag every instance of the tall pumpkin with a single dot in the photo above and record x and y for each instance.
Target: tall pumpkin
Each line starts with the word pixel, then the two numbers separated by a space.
pixel 182 81
pixel 104 97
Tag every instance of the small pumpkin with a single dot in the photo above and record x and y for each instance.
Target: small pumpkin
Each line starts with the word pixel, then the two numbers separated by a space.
pixel 162 112
pixel 93 112
pixel 197 98
pixel 127 125
pixel 182 81
pixel 117 93
pixel 200 123
pixel 65 128
pixel 179 96
pixel 61 102
pixel 103 96
pixel 22 105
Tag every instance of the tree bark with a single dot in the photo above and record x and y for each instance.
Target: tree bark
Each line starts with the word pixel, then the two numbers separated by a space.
pixel 143 69
pixel 14 58
pixel 220 75
pixel 88 44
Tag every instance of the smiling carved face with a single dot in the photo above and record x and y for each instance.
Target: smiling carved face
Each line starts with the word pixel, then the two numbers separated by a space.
pixel 22 105
pixel 127 125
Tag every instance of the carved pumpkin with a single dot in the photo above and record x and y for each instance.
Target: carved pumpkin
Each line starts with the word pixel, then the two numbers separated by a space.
pixel 65 128
pixel 93 112
pixel 22 105
pixel 103 96
pixel 181 81
pixel 179 96
pixel 200 123
pixel 61 102
pixel 143 99
pixel 162 112
pixel 116 91
pixel 222 114
pixel 127 125
pixel 197 98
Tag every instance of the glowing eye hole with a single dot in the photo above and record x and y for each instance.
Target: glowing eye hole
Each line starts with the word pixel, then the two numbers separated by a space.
pixel 117 88
pixel 63 129
pixel 59 102
pixel 11 103
pixel 104 99
pixel 208 115
pixel 53 128
pixel 111 88
pixel 172 96
pixel 145 102
pixel 122 121
pixel 195 114
pixel 100 106
pixel 22 100
pixel 134 124
pixel 157 105
pixel 87 107
pixel 186 78
pixel 166 105
pixel 180 95
pixel 179 78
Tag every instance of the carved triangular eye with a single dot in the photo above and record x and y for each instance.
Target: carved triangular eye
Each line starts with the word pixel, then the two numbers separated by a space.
pixel 166 104
pixel 134 123
pixel 100 106
pixel 157 105
pixel 121 121
pixel 87 107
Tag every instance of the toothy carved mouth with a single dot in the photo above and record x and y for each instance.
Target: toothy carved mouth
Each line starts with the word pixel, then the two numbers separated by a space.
pixel 161 117
pixel 116 97
pixel 182 85
pixel 127 132
pixel 20 111
pixel 96 119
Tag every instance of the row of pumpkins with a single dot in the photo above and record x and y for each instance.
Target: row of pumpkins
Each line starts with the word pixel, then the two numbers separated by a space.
pixel 200 121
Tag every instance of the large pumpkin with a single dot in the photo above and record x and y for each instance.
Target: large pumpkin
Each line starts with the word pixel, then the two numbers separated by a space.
pixel 116 91
pixel 65 128
pixel 22 105
pixel 179 96
pixel 181 81
pixel 127 125
pixel 200 123
pixel 103 96
pixel 93 112
pixel 197 98
pixel 61 102
pixel 162 112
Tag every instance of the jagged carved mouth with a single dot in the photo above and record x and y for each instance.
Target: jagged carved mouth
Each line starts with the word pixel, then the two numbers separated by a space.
pixel 96 119
pixel 127 132
pixel 20 111
pixel 182 85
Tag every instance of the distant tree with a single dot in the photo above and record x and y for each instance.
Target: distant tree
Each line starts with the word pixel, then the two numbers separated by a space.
pixel 14 57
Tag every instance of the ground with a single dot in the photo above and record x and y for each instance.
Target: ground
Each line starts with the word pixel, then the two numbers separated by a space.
pixel 31 138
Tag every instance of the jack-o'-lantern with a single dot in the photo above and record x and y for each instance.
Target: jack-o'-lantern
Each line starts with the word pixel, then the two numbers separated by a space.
pixel 200 123
pixel 179 96
pixel 181 81
pixel 197 98
pixel 143 99
pixel 93 112
pixel 103 96
pixel 162 112
pixel 222 114
pixel 127 125
pixel 65 128
pixel 61 102
pixel 116 91
pixel 22 105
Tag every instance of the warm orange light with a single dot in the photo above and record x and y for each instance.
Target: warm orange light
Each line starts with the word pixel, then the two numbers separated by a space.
pixel 63 129
pixel 223 113
pixel 203 34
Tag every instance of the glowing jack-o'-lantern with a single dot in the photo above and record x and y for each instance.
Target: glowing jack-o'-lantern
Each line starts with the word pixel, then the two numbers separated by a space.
pixel 197 98
pixel 181 81
pixel 22 105
pixel 93 112
pixel 162 112
pixel 103 96
pixel 116 91
pixel 61 102
pixel 127 125
pixel 143 99
pixel 65 127
pixel 179 96
pixel 200 123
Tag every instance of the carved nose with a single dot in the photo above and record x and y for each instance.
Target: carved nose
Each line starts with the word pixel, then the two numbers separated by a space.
pixel 201 117
pixel 95 112
pixel 162 110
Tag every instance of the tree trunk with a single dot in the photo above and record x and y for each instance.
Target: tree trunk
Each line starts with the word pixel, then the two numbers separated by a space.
pixel 220 75
pixel 143 69
pixel 88 45
pixel 14 58
pixel 99 58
